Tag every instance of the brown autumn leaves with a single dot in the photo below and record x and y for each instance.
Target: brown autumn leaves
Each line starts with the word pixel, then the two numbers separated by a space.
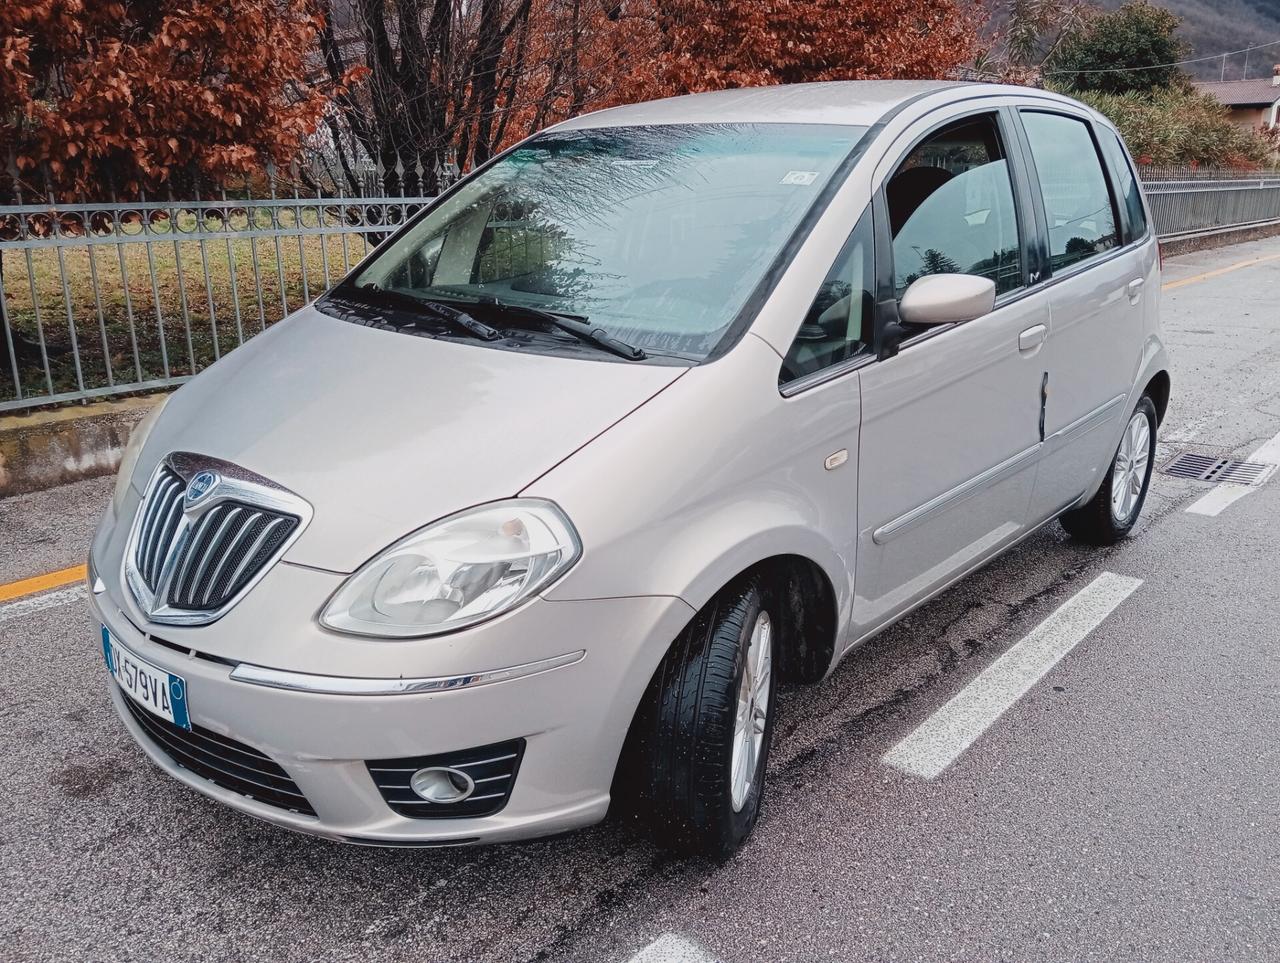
pixel 120 95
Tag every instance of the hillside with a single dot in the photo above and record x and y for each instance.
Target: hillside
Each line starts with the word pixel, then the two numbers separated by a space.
pixel 1212 26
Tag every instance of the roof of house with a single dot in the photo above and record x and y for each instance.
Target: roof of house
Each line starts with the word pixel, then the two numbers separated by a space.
pixel 1241 93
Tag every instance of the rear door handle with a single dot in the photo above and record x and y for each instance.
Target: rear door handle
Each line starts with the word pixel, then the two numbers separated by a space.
pixel 1134 289
pixel 1032 337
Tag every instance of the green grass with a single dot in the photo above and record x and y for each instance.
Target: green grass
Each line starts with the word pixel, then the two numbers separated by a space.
pixel 225 305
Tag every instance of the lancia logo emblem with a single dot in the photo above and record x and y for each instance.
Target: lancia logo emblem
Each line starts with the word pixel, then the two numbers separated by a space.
pixel 200 486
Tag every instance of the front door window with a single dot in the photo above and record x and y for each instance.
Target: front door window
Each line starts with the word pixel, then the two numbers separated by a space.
pixel 951 208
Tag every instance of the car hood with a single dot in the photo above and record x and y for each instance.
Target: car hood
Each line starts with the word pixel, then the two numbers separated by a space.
pixel 383 432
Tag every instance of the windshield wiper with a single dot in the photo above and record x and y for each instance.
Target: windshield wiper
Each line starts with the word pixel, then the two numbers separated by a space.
pixel 577 326
pixel 459 319
pixel 464 320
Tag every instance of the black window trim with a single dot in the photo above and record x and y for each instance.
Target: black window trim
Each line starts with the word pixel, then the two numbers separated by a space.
pixel 1029 184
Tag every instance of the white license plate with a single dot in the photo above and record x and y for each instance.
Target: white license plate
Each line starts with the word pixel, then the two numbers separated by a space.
pixel 161 693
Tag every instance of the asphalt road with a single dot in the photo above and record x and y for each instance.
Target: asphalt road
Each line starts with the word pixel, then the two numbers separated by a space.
pixel 1126 807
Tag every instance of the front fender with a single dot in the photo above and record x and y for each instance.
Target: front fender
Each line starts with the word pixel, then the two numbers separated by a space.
pixel 712 476
pixel 696 555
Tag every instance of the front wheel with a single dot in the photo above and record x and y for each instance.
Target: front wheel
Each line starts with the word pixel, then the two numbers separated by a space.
pixel 1113 511
pixel 708 724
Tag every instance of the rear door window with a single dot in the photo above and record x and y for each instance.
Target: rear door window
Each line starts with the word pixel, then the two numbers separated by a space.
pixel 1077 199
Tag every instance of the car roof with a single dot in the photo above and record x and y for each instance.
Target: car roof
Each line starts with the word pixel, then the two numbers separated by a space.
pixel 855 102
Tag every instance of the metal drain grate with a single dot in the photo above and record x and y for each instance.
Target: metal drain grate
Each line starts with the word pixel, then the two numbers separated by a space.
pixel 1211 468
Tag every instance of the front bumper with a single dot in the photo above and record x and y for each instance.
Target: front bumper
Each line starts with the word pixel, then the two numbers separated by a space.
pixel 573 717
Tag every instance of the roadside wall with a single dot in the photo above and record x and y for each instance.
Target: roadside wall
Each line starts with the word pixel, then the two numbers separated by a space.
pixel 48 448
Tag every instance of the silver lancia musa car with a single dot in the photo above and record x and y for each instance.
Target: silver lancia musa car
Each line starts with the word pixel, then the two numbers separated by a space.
pixel 661 407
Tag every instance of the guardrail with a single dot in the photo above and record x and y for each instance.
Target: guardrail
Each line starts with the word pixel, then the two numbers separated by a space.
pixel 1198 202
pixel 100 299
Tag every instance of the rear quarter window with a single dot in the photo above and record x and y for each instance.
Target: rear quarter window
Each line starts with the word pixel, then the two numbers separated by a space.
pixel 1126 184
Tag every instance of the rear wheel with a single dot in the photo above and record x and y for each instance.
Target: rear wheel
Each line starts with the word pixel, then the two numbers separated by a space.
pixel 708 723
pixel 1113 511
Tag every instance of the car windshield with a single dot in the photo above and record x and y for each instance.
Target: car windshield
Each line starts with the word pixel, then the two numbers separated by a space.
pixel 657 234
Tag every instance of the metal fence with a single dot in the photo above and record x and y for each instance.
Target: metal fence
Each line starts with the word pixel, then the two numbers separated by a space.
pixel 1186 202
pixel 107 298
pixel 101 299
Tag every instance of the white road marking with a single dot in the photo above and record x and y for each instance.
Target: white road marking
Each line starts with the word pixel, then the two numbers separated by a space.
pixel 38 603
pixel 1213 502
pixel 672 948
pixel 938 741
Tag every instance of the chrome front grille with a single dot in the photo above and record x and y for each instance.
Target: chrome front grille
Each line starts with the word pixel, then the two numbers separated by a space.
pixel 205 532
pixel 225 548
pixel 161 515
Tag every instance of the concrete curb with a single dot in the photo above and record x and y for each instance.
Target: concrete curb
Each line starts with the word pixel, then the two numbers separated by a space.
pixel 1223 238
pixel 47 448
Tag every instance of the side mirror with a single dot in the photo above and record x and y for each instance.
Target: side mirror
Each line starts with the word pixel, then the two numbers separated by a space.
pixel 947 298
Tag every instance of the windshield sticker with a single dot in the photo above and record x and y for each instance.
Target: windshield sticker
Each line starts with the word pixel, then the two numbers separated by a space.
pixel 801 178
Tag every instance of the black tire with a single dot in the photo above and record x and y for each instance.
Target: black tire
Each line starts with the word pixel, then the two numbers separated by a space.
pixel 1095 522
pixel 684 749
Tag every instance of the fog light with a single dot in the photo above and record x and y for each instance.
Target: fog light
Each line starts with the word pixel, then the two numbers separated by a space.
pixel 440 784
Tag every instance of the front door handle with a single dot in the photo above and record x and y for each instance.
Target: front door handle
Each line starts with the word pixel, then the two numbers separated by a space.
pixel 1134 289
pixel 1032 337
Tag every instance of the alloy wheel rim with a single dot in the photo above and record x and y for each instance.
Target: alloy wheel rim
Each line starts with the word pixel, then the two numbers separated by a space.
pixel 752 711
pixel 1129 473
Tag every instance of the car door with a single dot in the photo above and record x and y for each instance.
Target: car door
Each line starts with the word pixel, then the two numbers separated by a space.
pixel 950 423
pixel 1097 284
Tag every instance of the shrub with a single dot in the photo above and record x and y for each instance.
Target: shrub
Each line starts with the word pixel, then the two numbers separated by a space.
pixel 1177 125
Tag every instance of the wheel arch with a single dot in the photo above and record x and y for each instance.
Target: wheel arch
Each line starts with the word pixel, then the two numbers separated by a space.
pixel 808 577
pixel 1158 388
pixel 808 606
pixel 809 609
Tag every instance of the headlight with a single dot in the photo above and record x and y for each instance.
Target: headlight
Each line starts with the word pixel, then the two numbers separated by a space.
pixel 456 572
pixel 129 460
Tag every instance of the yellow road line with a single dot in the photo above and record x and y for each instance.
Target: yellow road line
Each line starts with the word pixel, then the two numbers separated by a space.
pixel 42 583
pixel 1170 285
